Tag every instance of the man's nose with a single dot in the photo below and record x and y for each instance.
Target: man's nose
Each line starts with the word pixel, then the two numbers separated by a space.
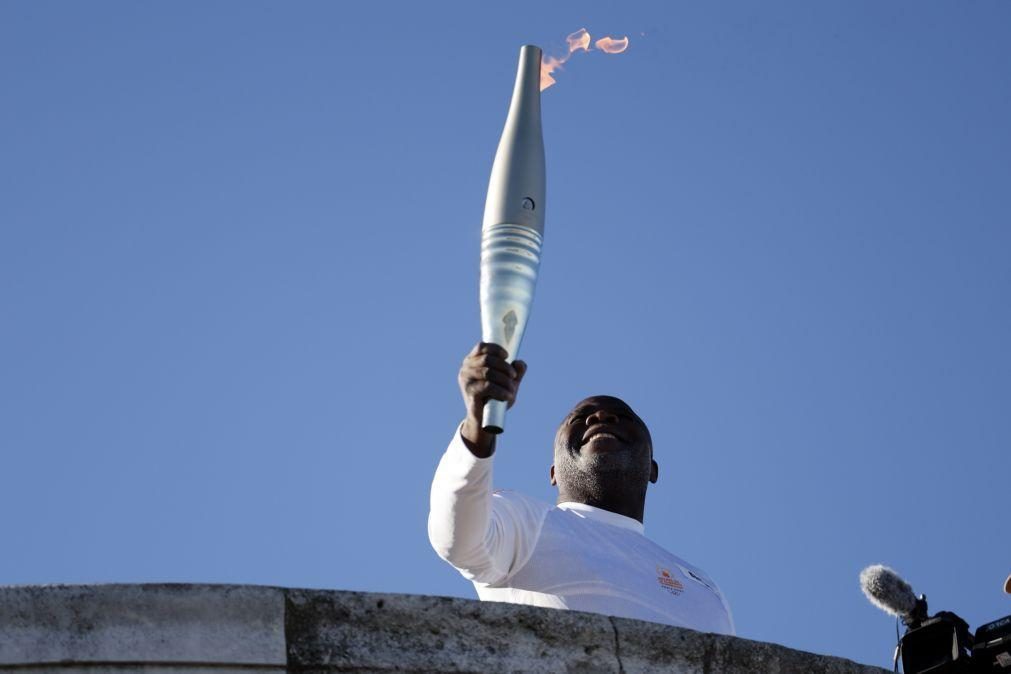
pixel 602 417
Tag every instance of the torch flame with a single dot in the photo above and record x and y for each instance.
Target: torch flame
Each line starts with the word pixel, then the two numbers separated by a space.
pixel 611 46
pixel 580 40
pixel 576 41
pixel 548 65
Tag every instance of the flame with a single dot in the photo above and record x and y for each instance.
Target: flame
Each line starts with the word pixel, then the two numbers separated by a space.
pixel 580 40
pixel 610 45
pixel 576 41
pixel 548 65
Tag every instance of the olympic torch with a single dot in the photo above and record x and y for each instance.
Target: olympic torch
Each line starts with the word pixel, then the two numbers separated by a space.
pixel 513 226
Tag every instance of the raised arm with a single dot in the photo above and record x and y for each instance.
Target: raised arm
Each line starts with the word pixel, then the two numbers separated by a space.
pixel 485 537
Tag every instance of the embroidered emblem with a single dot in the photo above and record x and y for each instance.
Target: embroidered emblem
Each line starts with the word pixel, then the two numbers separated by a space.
pixel 669 582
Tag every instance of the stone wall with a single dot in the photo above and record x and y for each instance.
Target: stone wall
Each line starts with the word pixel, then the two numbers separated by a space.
pixel 220 629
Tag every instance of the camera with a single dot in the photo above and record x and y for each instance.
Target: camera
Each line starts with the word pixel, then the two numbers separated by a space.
pixel 942 643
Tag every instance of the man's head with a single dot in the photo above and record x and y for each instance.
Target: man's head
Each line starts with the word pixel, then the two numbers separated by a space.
pixel 604 457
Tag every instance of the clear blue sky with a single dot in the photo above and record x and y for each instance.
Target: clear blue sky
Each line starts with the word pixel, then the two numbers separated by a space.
pixel 238 272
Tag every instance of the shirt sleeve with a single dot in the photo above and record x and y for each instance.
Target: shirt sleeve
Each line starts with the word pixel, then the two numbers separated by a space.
pixel 487 537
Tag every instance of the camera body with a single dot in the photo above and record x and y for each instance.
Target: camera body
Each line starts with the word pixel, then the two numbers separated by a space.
pixel 991 651
pixel 938 644
pixel 943 644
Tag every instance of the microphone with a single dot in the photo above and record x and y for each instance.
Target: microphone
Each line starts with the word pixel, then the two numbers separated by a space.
pixel 890 593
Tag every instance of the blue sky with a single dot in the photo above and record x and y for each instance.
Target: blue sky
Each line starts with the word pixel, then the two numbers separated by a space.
pixel 238 272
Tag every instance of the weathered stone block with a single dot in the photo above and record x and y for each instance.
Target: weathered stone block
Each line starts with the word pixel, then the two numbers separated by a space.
pixel 227 629
pixel 208 624
pixel 648 647
pixel 342 630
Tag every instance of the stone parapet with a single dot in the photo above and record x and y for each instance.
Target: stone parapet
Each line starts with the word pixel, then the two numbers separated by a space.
pixel 186 629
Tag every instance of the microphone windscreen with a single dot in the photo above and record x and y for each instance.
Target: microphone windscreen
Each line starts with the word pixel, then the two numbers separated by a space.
pixel 886 590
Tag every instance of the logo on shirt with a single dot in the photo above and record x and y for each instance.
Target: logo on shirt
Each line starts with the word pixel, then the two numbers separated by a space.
pixel 668 582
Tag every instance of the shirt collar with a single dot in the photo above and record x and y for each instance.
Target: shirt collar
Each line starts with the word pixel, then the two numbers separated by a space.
pixel 600 515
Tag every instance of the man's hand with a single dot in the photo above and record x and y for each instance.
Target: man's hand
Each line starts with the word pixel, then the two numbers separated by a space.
pixel 486 375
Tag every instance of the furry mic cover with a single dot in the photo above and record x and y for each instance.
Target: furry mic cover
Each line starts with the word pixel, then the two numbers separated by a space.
pixel 886 590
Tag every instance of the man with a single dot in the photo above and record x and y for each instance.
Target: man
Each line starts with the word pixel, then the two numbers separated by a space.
pixel 588 553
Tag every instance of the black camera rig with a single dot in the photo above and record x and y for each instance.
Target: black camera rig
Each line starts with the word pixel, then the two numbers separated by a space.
pixel 942 643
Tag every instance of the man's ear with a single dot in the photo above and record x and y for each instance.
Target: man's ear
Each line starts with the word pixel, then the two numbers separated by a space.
pixel 552 474
pixel 654 471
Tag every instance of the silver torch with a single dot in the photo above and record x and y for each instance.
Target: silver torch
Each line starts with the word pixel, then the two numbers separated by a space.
pixel 513 225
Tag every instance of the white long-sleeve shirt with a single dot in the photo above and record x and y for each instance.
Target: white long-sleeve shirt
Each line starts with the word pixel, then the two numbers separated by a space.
pixel 570 556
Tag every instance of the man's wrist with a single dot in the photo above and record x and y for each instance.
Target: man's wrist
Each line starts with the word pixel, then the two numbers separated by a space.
pixel 480 443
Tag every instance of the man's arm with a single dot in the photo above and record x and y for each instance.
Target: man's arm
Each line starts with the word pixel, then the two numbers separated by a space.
pixel 485 537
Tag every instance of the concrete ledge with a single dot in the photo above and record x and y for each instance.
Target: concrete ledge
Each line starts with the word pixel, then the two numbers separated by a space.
pixel 184 629
pixel 342 631
pixel 208 624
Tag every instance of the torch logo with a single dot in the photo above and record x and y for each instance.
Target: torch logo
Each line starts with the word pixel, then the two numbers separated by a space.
pixel 510 321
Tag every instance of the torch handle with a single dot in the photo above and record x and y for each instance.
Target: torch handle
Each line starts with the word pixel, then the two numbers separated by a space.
pixel 493 420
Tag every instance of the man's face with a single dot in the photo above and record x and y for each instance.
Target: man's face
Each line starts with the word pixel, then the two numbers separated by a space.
pixel 602 439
